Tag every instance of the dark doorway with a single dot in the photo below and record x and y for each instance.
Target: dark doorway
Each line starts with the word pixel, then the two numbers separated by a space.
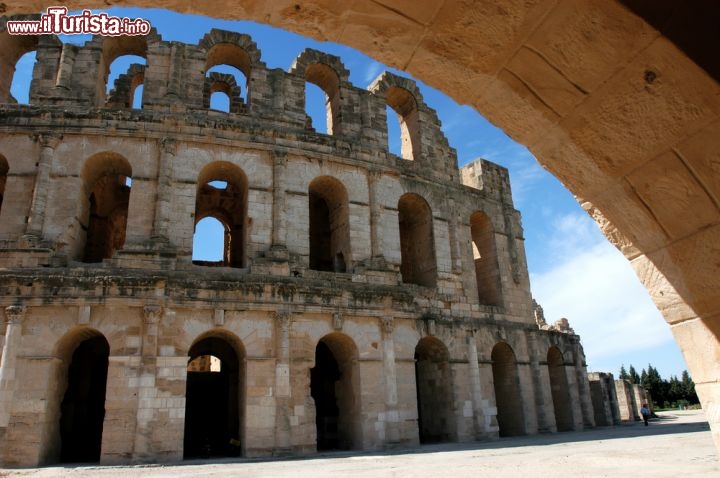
pixel 333 386
pixel 212 408
pixel 82 410
pixel 510 417
pixel 320 251
pixel 560 392
pixel 323 378
pixel 434 391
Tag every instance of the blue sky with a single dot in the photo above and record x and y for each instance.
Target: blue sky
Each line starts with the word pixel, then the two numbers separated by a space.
pixel 574 271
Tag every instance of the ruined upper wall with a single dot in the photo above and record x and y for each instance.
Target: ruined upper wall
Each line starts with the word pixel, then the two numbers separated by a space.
pixel 176 81
pixel 489 177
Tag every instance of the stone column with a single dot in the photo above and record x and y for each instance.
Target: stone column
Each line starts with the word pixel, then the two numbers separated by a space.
pixel 283 393
pixel 375 246
pixel 36 217
pixel 527 392
pixel 279 228
pixel 575 393
pixel 13 333
pixel 583 386
pixel 147 390
pixel 168 149
pixel 476 387
pixel 392 417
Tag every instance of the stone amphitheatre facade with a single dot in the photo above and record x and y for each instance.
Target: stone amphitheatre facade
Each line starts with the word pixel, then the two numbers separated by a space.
pixel 363 300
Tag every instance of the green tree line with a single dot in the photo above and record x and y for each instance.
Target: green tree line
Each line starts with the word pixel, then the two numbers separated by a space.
pixel 665 393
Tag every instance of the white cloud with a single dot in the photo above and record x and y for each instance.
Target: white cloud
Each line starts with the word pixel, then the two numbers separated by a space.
pixel 591 284
pixel 372 71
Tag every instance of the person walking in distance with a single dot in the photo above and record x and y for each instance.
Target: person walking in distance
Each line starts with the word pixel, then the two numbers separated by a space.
pixel 645 413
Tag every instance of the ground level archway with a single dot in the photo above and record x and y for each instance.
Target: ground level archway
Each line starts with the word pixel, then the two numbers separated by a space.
pixel 213 408
pixel 82 410
pixel 335 388
pixel 510 415
pixel 433 381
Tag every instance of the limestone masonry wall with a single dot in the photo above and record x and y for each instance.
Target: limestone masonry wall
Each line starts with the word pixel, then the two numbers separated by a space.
pixel 362 300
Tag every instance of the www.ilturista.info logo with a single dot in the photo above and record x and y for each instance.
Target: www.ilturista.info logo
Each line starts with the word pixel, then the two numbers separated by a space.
pixel 56 22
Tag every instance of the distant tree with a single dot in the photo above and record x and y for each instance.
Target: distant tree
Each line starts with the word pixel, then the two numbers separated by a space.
pixel 634 377
pixel 658 388
pixel 688 388
pixel 643 378
pixel 623 373
pixel 675 390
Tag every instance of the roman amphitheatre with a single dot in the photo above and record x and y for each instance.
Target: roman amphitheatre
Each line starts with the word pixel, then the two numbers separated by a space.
pixel 618 100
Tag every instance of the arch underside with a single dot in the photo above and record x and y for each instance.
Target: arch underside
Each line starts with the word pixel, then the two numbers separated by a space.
pixel 626 116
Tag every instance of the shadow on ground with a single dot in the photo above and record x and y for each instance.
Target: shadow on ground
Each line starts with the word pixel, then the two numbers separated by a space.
pixel 664 424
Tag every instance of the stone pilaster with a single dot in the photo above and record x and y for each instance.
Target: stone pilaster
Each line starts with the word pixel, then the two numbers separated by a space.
pixel 147 387
pixel 279 224
pixel 163 212
pixel 583 386
pixel 175 71
pixel 575 393
pixel 13 334
pixel 375 246
pixel 392 416
pixel 543 401
pixel 479 422
pixel 36 218
pixel 452 236
pixel 283 323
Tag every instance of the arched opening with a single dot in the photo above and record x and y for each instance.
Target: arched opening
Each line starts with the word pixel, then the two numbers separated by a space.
pixel 137 96
pixel 4 168
pixel 122 70
pixel 508 400
pixel 125 84
pixel 329 225
pixel 433 381
pixel 417 242
pixel 209 242
pixel 213 399
pixel 108 179
pixel 487 271
pixel 222 90
pixel 220 101
pixel 405 106
pixel 322 98
pixel 17 63
pixel 394 131
pixel 315 100
pixel 82 410
pixel 222 195
pixel 228 60
pixel 559 388
pixel 335 388
pixel 20 87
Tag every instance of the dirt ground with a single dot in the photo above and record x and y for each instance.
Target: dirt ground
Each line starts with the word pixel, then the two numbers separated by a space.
pixel 675 444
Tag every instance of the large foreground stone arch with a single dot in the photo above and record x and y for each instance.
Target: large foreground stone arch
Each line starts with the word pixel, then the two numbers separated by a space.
pixel 618 99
